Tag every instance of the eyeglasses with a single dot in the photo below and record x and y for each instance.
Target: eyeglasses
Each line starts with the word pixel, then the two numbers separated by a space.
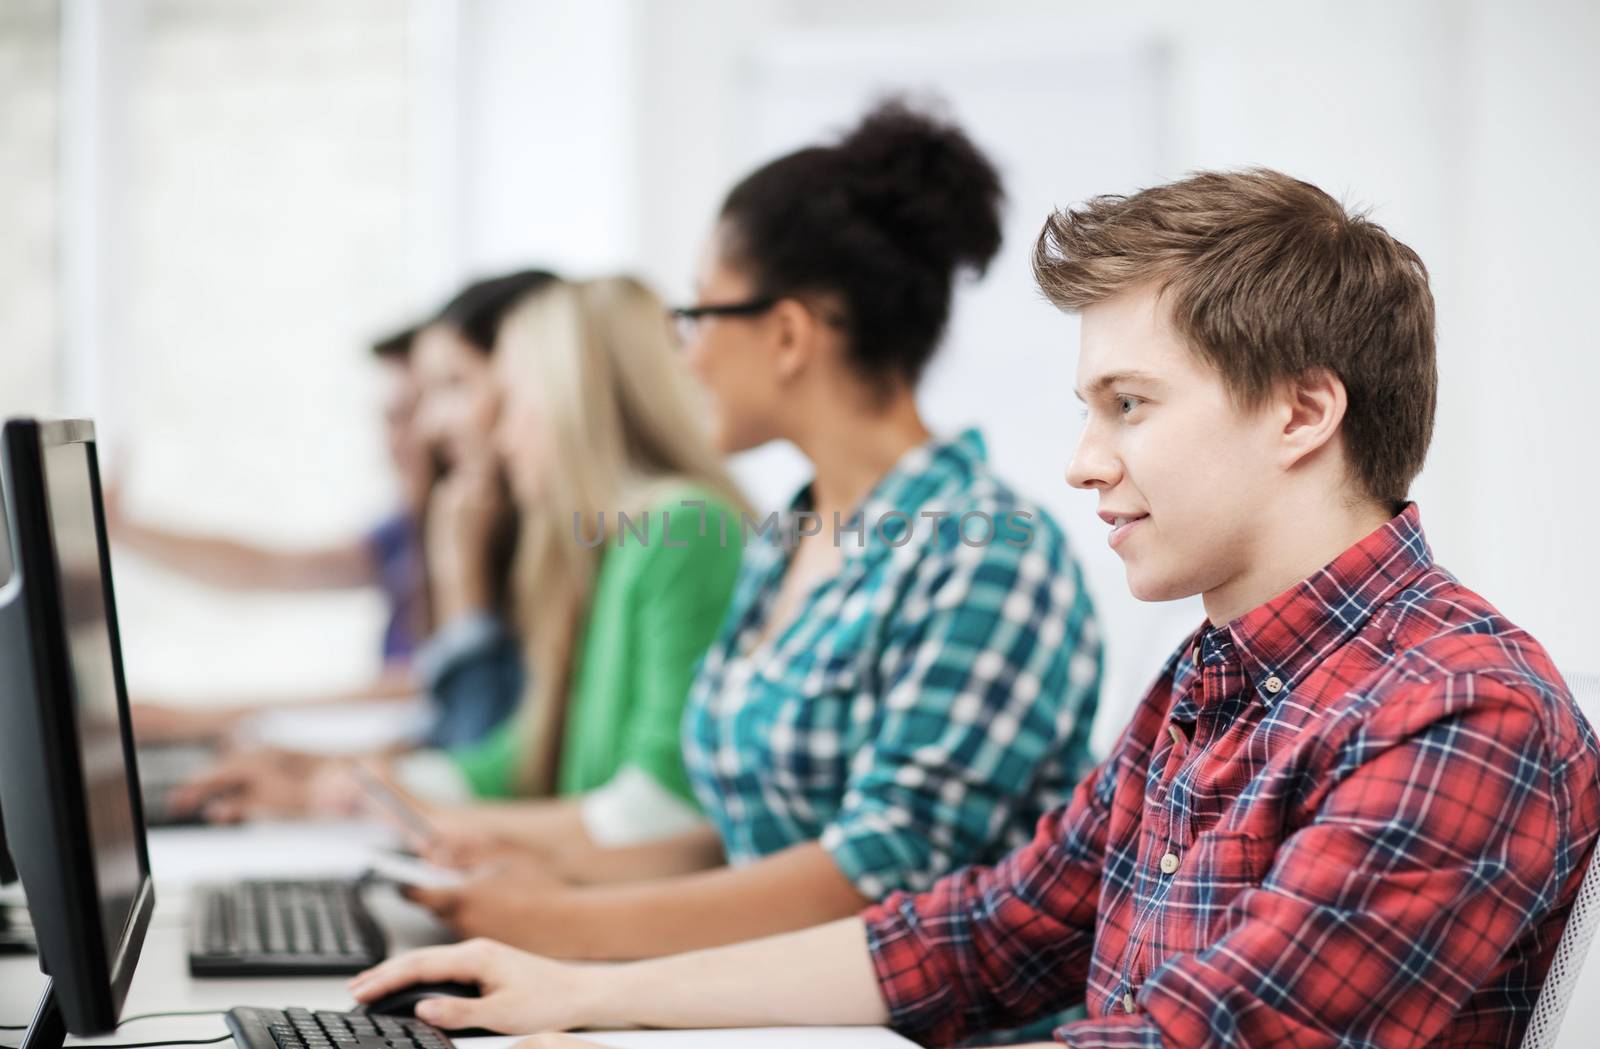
pixel 687 318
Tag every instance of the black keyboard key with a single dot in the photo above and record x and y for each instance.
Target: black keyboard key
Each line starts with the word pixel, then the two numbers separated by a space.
pixel 285 928
pixel 304 1029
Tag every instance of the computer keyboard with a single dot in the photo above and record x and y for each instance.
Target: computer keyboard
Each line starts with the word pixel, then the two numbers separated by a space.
pixel 254 1028
pixel 282 928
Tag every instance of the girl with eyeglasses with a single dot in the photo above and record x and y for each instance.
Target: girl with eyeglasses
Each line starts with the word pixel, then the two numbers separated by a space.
pixel 906 677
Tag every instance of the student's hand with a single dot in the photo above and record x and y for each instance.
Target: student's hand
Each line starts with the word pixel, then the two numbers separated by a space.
pixel 159 723
pixel 367 786
pixel 464 510
pixel 333 790
pixel 561 1041
pixel 251 784
pixel 519 993
pixel 466 848
pixel 517 900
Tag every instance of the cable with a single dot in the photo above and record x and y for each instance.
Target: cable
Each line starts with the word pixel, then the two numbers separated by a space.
pixel 158 1045
pixel 134 1019
pixel 157 1016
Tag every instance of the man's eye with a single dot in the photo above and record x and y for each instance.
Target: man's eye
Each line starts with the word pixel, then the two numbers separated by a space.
pixel 1126 404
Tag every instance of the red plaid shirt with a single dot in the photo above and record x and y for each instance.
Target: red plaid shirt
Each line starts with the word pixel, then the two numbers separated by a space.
pixel 1357 816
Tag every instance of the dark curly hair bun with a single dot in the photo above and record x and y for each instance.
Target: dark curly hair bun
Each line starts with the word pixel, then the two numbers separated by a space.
pixel 926 183
pixel 884 221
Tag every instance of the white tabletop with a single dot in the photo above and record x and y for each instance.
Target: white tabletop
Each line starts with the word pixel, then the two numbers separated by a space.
pixel 184 857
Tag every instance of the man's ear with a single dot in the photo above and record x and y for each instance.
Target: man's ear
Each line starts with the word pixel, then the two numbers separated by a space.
pixel 794 328
pixel 1314 406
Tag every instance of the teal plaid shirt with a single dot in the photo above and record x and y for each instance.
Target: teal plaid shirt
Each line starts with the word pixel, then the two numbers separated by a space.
pixel 925 706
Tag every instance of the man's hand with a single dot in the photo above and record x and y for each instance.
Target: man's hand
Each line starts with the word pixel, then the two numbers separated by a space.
pixel 519 993
pixel 821 976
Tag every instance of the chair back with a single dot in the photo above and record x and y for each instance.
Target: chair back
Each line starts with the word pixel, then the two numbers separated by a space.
pixel 1562 980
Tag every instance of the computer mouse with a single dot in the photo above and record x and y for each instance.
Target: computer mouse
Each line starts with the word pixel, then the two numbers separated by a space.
pixel 404 1003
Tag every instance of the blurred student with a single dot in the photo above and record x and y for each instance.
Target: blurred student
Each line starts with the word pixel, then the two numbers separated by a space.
pixel 1357 803
pixel 906 687
pixel 625 579
pixel 388 557
pixel 622 577
pixel 467 534
pixel 474 530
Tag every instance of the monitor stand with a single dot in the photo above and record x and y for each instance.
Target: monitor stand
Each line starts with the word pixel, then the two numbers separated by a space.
pixel 49 1028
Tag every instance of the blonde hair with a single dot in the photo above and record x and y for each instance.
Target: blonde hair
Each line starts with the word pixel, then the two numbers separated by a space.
pixel 623 432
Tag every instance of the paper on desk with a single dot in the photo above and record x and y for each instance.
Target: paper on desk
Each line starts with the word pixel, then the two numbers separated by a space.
pixel 339 728
pixel 732 1038
pixel 185 856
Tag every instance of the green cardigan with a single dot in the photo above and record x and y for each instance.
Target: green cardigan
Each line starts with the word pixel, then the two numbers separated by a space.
pixel 656 607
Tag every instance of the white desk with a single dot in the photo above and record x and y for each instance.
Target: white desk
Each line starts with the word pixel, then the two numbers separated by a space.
pixel 182 858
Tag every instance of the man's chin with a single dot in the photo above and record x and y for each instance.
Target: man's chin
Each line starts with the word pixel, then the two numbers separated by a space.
pixel 1149 586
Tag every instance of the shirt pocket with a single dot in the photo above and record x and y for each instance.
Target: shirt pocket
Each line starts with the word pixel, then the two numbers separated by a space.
pixel 1213 872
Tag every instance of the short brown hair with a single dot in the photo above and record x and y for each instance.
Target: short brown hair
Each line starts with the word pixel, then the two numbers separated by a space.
pixel 1268 278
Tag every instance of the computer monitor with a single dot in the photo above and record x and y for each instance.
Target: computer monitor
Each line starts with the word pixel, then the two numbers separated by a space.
pixel 16 932
pixel 8 870
pixel 68 781
pixel 10 939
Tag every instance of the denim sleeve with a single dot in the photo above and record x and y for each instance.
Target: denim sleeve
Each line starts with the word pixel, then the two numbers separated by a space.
pixel 472 670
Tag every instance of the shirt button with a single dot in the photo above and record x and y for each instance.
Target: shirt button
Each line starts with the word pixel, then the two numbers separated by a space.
pixel 1127 1002
pixel 1169 863
pixel 1274 685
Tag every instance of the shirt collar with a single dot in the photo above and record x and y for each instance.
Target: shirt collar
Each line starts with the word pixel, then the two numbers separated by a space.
pixel 1282 641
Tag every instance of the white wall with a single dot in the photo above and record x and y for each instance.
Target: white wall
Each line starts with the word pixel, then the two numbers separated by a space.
pixel 548 136
pixel 235 230
pixel 601 135
pixel 1457 124
pixel 29 111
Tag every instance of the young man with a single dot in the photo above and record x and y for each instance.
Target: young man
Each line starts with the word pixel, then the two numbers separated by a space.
pixel 1356 805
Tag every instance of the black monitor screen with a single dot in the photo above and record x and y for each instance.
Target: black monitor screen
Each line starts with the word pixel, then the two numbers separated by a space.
pixel 111 825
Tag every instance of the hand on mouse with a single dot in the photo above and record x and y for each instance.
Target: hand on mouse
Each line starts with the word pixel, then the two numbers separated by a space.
pixel 519 992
